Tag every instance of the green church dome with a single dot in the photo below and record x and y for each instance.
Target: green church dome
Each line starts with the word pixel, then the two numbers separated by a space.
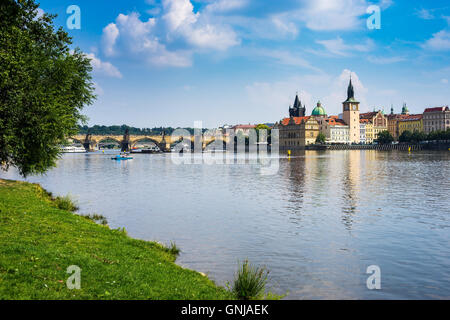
pixel 319 110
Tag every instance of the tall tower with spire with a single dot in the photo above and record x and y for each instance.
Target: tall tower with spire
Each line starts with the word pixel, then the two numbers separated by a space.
pixel 351 114
pixel 297 110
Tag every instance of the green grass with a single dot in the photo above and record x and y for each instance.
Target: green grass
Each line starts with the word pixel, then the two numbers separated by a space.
pixel 39 241
pixel 65 203
pixel 98 218
pixel 250 282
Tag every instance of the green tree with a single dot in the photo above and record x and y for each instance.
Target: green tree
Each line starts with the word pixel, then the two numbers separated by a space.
pixel 44 85
pixel 263 127
pixel 405 136
pixel 418 136
pixel 321 138
pixel 384 137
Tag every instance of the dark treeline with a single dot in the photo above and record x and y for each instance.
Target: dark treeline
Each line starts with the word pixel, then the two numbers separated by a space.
pixel 416 136
pixel 120 130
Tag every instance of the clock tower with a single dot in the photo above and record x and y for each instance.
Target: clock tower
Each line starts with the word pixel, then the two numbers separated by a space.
pixel 351 114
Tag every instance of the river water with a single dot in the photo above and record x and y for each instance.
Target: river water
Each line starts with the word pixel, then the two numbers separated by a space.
pixel 317 224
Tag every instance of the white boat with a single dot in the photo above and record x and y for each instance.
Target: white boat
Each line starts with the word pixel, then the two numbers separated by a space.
pixel 73 149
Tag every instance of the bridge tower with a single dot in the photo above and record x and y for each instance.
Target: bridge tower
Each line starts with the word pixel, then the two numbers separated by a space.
pixel 125 145
pixel 88 144
pixel 163 143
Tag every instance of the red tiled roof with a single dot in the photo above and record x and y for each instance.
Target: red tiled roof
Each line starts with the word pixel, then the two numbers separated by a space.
pixel 297 120
pixel 334 120
pixel 412 117
pixel 340 122
pixel 436 109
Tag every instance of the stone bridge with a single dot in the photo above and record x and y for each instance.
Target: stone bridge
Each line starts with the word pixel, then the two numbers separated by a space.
pixel 127 142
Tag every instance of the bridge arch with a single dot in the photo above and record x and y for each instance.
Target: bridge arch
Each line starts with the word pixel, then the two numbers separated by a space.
pixel 215 140
pixel 136 141
pixel 106 138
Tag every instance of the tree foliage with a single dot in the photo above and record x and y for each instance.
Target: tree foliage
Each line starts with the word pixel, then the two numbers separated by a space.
pixel 44 85
pixel 120 130
pixel 418 136
pixel 321 138
pixel 384 137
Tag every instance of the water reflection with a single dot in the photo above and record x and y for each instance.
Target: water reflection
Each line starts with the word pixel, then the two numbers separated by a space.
pixel 350 185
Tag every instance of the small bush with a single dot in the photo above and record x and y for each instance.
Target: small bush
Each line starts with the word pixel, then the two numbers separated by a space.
pixel 250 282
pixel 173 249
pixel 65 203
pixel 98 218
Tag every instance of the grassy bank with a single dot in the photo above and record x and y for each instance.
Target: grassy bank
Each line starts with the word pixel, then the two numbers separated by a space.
pixel 39 242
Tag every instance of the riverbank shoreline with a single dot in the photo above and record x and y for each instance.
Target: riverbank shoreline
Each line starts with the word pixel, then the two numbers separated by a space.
pixel 40 242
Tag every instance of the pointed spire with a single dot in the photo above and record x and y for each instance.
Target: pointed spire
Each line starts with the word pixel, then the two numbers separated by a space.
pixel 297 103
pixel 350 90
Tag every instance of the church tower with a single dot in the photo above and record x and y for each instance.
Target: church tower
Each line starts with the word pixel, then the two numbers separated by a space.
pixel 297 110
pixel 351 114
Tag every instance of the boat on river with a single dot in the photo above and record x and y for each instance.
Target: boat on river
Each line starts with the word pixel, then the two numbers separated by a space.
pixel 122 157
pixel 73 149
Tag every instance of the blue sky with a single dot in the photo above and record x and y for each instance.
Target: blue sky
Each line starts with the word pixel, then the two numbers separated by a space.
pixel 173 62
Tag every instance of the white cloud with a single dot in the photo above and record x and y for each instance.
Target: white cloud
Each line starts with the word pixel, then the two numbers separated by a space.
pixel 338 89
pixel 444 81
pixel 285 26
pixel 331 91
pixel 198 32
pixel 385 60
pixel 103 68
pixel 439 42
pixel 339 47
pixel 109 38
pixel 285 57
pixel 169 39
pixel 135 38
pixel 325 15
pixel 226 5
pixel 424 14
pixel 384 4
pixel 277 96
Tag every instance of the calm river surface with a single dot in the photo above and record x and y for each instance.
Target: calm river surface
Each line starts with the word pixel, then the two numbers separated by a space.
pixel 317 224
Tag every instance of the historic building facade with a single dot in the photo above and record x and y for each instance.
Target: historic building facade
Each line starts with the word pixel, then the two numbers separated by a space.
pixel 297 132
pixel 410 123
pixel 336 131
pixel 378 120
pixel 351 114
pixel 435 119
pixel 393 121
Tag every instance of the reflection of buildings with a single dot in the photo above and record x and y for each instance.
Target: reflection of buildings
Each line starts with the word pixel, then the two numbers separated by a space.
pixel 350 186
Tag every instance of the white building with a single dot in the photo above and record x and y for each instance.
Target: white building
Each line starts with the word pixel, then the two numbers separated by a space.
pixel 362 132
pixel 336 131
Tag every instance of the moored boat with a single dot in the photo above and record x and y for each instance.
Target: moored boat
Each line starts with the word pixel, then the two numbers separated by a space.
pixel 73 149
